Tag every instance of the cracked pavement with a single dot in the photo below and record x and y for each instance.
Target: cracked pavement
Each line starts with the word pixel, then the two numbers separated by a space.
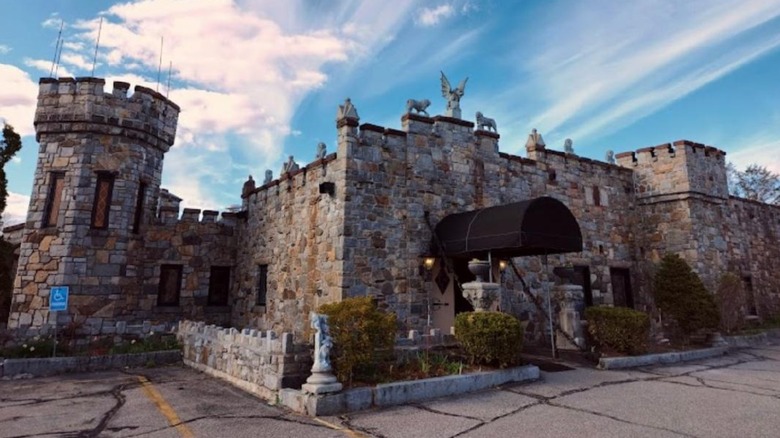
pixel 733 395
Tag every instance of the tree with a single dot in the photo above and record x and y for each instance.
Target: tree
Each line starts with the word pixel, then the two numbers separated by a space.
pixel 756 183
pixel 680 294
pixel 10 144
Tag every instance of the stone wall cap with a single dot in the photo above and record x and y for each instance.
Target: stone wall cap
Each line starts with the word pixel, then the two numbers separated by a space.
pixel 483 133
pixel 191 210
pixel 372 127
pixel 454 121
pixel 47 81
pixel 210 212
pixel 347 121
pixel 12 228
pixel 91 79
pixel 121 85
pixel 149 91
pixel 517 158
pixel 391 131
pixel 417 118
pixel 624 154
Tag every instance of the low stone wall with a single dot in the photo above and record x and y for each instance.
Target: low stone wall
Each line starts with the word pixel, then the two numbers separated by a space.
pixel 49 366
pixel 398 393
pixel 614 363
pixel 258 362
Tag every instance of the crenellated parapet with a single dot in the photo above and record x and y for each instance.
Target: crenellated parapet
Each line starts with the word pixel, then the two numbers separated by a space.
pixel 681 168
pixel 68 105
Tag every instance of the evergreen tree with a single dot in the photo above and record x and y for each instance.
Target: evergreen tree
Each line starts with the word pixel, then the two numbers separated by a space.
pixel 680 294
pixel 10 144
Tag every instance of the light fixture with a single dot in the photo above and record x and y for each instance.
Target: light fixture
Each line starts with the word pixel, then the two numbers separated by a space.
pixel 502 264
pixel 427 261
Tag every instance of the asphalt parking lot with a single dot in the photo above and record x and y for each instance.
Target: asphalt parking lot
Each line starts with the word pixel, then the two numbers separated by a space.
pixel 734 395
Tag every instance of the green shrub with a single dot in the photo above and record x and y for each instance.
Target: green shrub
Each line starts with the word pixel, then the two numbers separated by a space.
pixel 489 337
pixel 363 338
pixel 680 294
pixel 618 328
pixel 731 302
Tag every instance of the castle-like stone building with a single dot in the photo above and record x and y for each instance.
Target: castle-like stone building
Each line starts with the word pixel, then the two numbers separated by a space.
pixel 352 223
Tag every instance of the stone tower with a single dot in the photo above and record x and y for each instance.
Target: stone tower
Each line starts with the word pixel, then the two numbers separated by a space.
pixel 96 187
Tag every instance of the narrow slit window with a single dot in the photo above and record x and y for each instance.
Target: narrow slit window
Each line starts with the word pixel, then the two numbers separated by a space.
pixel 170 285
pixel 139 208
pixel 102 204
pixel 54 199
pixel 596 196
pixel 262 284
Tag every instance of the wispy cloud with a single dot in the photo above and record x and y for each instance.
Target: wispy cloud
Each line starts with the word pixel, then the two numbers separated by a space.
pixel 762 148
pixel 16 209
pixel 433 16
pixel 589 76
pixel 4 49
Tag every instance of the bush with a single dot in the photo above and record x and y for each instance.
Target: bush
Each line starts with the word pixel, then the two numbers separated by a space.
pixel 618 328
pixel 680 294
pixel 363 338
pixel 489 337
pixel 731 301
pixel 6 278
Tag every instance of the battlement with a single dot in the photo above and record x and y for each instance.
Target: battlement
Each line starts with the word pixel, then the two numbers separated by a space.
pixel 69 105
pixel 296 177
pixel 170 216
pixel 682 167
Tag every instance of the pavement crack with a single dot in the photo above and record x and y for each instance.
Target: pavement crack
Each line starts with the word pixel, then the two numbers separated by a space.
pixel 435 411
pixel 117 392
pixel 621 420
pixel 347 423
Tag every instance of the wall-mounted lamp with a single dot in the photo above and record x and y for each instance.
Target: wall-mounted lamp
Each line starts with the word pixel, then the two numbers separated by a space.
pixel 502 264
pixel 426 266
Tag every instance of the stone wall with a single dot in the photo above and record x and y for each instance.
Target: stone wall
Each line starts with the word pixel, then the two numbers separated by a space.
pixel 256 361
pixel 295 228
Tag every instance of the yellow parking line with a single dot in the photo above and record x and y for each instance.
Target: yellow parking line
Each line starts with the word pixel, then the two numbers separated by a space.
pixel 348 432
pixel 164 408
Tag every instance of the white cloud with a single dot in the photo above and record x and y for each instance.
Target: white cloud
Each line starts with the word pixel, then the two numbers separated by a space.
pixel 589 76
pixel 16 209
pixel 45 67
pixel 4 49
pixel 76 60
pixel 762 148
pixel 433 16
pixel 53 22
pixel 18 97
pixel 72 45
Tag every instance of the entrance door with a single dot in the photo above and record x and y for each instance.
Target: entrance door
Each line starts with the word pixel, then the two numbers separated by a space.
pixel 582 278
pixel 621 287
pixel 464 276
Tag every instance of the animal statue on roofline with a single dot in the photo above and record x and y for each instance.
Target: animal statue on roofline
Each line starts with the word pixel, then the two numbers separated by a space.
pixel 486 123
pixel 418 105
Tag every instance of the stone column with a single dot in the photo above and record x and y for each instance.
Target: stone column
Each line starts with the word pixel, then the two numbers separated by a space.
pixel 568 296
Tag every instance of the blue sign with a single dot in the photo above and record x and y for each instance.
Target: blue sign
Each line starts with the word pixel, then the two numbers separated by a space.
pixel 58 298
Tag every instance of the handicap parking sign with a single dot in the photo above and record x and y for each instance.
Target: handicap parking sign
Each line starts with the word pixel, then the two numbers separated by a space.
pixel 58 298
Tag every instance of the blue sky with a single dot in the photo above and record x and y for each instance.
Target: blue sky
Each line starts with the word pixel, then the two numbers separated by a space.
pixel 259 80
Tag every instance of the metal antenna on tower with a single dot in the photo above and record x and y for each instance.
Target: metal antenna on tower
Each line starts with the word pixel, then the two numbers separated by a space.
pixel 58 55
pixel 56 48
pixel 159 65
pixel 97 44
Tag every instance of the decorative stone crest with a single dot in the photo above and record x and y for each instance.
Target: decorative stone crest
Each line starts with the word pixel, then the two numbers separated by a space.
pixel 322 379
pixel 610 156
pixel 347 111
pixel 535 140
pixel 486 123
pixel 249 186
pixel 452 95
pixel 568 146
pixel 269 176
pixel 290 165
pixel 418 105
pixel 322 150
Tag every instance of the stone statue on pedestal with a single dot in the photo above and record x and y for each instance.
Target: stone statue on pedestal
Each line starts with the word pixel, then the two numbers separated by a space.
pixel 322 379
pixel 452 95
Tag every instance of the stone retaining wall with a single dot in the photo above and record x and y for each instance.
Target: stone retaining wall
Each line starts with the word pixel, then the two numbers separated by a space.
pixel 49 366
pixel 258 362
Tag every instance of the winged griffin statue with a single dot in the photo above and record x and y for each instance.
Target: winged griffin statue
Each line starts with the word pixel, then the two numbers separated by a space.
pixel 452 95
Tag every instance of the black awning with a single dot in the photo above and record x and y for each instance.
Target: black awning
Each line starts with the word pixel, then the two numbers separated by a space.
pixel 532 227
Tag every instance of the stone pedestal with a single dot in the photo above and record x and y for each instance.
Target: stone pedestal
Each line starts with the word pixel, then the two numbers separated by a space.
pixel 481 295
pixel 569 297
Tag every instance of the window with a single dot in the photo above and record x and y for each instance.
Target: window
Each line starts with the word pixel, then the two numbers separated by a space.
pixel 262 284
pixel 596 196
pixel 139 207
pixel 747 283
pixel 54 199
pixel 102 205
pixel 170 285
pixel 219 286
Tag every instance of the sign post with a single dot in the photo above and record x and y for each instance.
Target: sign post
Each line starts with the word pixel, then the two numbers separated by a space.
pixel 58 301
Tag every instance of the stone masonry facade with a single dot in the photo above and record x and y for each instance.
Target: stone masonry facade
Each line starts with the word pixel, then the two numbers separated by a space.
pixel 355 222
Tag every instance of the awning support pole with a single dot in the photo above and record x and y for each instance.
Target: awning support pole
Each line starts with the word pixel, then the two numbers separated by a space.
pixel 490 262
pixel 549 306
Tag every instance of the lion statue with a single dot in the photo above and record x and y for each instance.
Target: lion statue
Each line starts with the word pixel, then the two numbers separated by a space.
pixel 486 123
pixel 418 105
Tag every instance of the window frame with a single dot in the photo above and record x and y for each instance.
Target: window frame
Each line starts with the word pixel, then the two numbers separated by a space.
pixel 108 178
pixel 178 270
pixel 139 206
pixel 211 299
pixel 53 194
pixel 261 299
